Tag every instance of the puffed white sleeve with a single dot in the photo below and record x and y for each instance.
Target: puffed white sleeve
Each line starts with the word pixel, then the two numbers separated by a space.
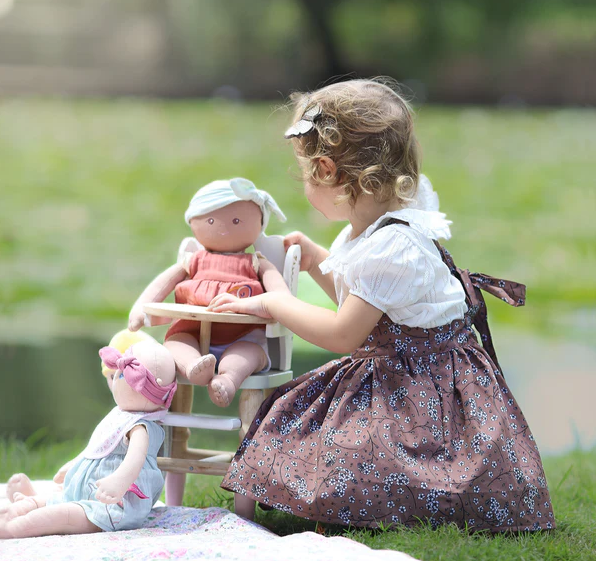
pixel 391 270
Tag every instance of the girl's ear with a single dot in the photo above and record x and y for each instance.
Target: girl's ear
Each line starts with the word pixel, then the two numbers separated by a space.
pixel 327 168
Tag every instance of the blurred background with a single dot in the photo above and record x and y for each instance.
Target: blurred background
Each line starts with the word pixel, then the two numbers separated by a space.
pixel 114 112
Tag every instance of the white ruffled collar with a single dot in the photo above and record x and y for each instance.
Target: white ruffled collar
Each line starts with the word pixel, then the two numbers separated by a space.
pixel 429 223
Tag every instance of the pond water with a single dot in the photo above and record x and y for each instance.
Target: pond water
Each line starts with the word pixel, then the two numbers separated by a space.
pixel 59 387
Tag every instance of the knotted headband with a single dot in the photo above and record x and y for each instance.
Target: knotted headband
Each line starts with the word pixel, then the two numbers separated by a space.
pixel 137 376
pixel 219 194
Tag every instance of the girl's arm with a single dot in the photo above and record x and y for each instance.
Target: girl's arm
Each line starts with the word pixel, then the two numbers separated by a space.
pixel 111 489
pixel 339 332
pixel 312 256
pixel 157 291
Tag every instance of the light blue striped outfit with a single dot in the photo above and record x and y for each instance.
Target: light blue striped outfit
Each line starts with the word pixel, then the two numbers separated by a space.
pixel 131 512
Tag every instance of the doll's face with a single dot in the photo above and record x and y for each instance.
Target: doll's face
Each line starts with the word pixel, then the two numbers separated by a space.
pixel 128 399
pixel 230 229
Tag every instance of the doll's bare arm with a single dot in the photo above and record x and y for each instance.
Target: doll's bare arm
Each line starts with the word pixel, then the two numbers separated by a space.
pixel 157 291
pixel 111 489
pixel 61 473
pixel 271 278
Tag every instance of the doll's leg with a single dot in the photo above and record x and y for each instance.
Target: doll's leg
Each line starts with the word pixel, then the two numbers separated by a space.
pixel 19 483
pixel 66 518
pixel 237 363
pixel 185 350
pixel 24 504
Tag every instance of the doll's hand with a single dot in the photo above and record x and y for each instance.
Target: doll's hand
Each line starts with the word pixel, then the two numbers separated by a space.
pixel 61 473
pixel 309 250
pixel 255 305
pixel 110 489
pixel 136 319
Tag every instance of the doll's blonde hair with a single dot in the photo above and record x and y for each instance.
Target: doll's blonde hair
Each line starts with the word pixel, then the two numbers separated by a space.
pixel 366 128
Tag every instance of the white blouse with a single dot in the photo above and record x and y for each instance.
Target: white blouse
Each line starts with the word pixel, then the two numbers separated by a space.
pixel 398 270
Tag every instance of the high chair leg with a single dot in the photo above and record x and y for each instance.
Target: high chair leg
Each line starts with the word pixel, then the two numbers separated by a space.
pixel 175 483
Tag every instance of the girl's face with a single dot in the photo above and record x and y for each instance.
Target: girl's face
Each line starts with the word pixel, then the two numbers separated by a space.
pixel 324 199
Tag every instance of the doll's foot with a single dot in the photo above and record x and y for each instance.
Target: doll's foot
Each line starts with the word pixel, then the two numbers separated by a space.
pixel 22 505
pixel 202 371
pixel 222 390
pixel 19 483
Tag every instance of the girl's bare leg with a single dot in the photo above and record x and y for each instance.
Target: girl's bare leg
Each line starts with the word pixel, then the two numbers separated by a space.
pixel 197 368
pixel 40 520
pixel 19 483
pixel 237 363
pixel 244 506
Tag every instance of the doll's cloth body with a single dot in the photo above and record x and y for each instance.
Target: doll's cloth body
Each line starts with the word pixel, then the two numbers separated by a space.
pixel 211 274
pixel 107 449
pixel 417 424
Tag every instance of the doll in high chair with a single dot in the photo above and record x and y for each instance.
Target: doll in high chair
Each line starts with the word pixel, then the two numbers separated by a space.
pixel 226 217
pixel 114 483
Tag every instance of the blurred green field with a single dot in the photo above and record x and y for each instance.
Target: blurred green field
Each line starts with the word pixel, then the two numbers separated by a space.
pixel 92 196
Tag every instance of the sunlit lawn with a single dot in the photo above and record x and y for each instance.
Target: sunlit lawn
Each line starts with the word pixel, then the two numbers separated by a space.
pixel 572 481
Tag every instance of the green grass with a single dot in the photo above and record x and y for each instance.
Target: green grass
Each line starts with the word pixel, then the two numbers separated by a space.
pixel 572 481
pixel 93 194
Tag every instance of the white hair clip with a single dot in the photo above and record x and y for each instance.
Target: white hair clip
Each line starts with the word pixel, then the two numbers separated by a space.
pixel 306 122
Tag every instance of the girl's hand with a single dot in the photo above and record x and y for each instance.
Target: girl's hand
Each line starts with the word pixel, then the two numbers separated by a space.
pixel 255 305
pixel 110 489
pixel 309 250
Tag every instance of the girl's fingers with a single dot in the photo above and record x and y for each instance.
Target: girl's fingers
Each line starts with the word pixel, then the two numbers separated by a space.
pixel 292 239
pixel 221 299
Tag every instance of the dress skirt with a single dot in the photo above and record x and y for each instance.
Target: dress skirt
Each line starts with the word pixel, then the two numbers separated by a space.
pixel 416 425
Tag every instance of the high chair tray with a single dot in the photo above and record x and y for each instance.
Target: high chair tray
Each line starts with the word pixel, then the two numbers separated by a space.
pixel 200 313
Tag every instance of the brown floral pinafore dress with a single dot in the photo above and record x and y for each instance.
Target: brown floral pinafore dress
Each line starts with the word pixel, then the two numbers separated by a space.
pixel 416 425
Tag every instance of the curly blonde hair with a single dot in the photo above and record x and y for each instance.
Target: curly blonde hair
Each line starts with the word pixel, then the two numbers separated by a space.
pixel 366 128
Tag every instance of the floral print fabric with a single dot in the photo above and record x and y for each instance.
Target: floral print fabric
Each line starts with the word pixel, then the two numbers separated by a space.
pixel 416 425
pixel 187 534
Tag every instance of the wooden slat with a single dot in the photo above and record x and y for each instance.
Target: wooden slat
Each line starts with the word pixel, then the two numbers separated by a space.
pixel 201 421
pixel 200 313
pixel 193 466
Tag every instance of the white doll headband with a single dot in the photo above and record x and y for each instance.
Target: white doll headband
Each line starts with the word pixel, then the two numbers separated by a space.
pixel 221 193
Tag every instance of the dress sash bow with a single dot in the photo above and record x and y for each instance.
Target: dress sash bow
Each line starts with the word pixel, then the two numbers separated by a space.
pixel 513 293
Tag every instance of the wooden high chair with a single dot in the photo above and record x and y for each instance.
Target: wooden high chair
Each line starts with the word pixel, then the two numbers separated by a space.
pixel 178 459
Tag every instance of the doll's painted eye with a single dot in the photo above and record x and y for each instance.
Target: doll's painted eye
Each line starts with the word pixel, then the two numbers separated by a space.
pixel 210 220
pixel 121 375
pixel 236 221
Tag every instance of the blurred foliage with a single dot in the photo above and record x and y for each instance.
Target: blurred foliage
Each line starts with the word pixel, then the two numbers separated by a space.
pixel 291 44
pixel 479 51
pixel 93 196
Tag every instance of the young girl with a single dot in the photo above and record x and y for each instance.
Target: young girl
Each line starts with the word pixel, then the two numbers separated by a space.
pixel 417 423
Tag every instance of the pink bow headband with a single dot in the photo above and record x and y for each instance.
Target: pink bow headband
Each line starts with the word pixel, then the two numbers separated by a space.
pixel 137 376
